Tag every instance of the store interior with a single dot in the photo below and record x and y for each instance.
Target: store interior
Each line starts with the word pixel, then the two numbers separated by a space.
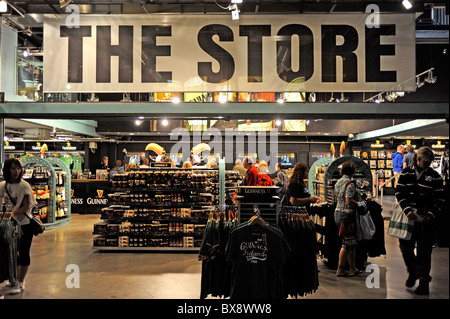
pixel 63 137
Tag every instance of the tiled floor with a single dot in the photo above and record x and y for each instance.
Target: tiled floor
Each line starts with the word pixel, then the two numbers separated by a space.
pixel 178 275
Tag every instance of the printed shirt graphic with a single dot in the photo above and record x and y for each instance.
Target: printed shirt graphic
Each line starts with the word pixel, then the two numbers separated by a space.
pixel 257 255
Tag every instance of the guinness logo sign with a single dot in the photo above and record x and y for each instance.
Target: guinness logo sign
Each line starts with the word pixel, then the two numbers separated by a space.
pixel 100 193
pixel 72 192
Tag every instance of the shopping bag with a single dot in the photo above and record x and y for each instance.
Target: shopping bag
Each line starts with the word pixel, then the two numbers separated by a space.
pixel 399 225
pixel 365 227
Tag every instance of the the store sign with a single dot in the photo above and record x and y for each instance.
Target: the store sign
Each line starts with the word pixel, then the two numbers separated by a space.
pixel 212 53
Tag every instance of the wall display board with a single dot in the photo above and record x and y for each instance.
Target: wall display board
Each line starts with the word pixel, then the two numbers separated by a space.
pixel 379 160
pixel 213 53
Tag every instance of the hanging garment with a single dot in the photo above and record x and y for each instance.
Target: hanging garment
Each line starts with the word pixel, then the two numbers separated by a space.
pixel 215 279
pixel 10 233
pixel 257 255
pixel 301 275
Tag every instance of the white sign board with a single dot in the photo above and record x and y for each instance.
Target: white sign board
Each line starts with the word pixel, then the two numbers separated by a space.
pixel 211 53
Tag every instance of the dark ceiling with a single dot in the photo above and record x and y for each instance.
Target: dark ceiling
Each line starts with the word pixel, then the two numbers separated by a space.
pixel 28 14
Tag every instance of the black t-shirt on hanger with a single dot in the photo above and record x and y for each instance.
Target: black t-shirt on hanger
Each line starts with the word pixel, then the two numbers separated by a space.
pixel 258 255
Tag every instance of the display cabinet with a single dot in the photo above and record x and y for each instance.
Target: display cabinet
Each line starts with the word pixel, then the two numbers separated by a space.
pixel 158 209
pixel 50 181
pixel 363 177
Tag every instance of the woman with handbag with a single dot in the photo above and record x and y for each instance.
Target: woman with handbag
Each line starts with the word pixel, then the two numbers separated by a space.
pixel 18 198
pixel 347 199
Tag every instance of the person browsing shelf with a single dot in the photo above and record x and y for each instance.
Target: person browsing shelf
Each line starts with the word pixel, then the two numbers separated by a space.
pixel 297 191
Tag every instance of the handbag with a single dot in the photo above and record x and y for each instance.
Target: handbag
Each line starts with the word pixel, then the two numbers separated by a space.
pixel 365 226
pixel 399 225
pixel 346 227
pixel 37 227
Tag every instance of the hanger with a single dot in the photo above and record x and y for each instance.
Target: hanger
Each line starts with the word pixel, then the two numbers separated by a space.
pixel 256 219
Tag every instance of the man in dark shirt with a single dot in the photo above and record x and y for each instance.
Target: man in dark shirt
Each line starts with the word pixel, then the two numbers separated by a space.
pixel 251 178
pixel 420 193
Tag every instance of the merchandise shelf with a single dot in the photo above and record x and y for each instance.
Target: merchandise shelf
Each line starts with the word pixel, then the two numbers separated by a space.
pixel 142 215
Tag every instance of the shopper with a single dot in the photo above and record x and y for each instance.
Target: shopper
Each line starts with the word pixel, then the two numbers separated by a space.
pixel 105 163
pixel 118 167
pixel 347 199
pixel 187 164
pixel 130 167
pixel 239 167
pixel 251 177
pixel 282 181
pixel 397 162
pixel 263 178
pixel 407 159
pixel 420 193
pixel 144 163
pixel 297 191
pixel 19 201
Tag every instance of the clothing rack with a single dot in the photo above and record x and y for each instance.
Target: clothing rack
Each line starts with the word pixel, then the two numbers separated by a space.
pixel 301 272
pixel 215 279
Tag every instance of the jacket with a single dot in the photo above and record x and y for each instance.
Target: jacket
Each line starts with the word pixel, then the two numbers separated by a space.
pixel 423 191
pixel 397 162
pixel 264 180
pixel 252 177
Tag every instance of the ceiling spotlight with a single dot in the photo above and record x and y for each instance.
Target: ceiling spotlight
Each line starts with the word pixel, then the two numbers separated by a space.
pixel 25 53
pixel 3 6
pixel 222 98
pixel 342 99
pixel 332 98
pixel 141 117
pixel 236 1
pixel 234 11
pixel 407 4
pixel 138 122
pixel 165 122
pixel 277 122
pixel 63 3
pixel 281 101
pixel 176 100
pixel 390 96
pixel 419 84
pixel 430 78
pixel 379 99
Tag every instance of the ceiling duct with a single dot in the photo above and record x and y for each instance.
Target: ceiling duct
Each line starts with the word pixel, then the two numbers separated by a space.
pixel 40 133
